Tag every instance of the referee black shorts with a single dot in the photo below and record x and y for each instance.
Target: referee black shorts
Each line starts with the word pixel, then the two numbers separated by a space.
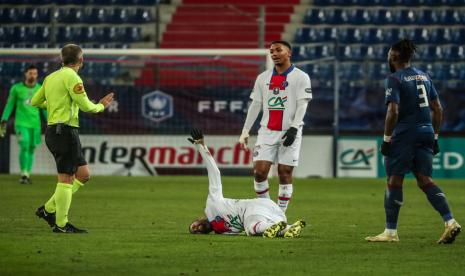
pixel 65 146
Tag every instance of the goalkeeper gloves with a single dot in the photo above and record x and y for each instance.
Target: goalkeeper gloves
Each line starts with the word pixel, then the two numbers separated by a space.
pixel 244 139
pixel 289 136
pixel 2 129
pixel 196 135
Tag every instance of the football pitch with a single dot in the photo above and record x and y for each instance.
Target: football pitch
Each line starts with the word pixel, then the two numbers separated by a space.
pixel 139 225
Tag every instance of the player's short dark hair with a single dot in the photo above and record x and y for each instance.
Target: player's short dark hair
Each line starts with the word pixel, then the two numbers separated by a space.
pixel 283 42
pixel 406 49
pixel 31 67
pixel 70 54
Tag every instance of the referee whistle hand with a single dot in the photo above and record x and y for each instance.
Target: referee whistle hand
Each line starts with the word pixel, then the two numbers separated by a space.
pixel 385 148
pixel 289 136
pixel 107 99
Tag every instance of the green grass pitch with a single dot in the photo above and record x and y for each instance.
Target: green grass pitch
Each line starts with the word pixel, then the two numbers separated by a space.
pixel 139 225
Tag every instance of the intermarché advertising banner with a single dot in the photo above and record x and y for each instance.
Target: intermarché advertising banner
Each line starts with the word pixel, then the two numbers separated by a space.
pixel 360 157
pixel 173 154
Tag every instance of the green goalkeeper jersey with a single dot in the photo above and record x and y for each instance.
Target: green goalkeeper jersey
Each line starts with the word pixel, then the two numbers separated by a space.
pixel 20 97
pixel 63 94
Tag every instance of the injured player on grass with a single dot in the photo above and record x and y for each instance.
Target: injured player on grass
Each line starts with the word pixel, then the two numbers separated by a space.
pixel 255 217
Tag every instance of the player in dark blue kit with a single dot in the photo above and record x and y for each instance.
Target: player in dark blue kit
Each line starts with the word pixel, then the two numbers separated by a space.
pixel 411 131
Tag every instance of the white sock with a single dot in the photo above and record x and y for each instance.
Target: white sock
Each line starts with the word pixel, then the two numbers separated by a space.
pixel 390 232
pixel 262 189
pixel 259 227
pixel 450 222
pixel 284 195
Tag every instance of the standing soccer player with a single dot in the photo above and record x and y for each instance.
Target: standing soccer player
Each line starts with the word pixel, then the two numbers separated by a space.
pixel 27 120
pixel 64 95
pixel 283 94
pixel 411 132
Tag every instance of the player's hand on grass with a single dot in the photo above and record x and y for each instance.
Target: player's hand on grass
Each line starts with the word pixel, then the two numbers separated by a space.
pixel 244 139
pixel 436 149
pixel 2 129
pixel 289 136
pixel 197 136
pixel 385 148
pixel 107 99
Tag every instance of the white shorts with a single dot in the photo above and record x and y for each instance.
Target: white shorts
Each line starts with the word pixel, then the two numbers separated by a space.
pixel 263 210
pixel 279 154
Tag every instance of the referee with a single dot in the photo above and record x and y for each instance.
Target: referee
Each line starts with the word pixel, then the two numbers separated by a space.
pixel 63 94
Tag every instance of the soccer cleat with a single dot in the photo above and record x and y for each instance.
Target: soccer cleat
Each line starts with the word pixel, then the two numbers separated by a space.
pixel 274 229
pixel 25 180
pixel 383 237
pixel 68 228
pixel 450 233
pixel 48 217
pixel 295 229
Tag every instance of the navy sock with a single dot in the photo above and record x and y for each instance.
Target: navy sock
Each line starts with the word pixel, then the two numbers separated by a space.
pixel 393 199
pixel 438 199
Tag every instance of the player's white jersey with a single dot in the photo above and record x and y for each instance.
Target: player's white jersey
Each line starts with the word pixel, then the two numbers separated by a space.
pixel 279 95
pixel 226 216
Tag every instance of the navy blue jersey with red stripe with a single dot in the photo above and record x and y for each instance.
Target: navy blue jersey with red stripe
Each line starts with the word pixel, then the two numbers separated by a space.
pixel 412 90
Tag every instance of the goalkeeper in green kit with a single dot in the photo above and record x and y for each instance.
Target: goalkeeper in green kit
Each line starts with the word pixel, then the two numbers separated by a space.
pixel 27 120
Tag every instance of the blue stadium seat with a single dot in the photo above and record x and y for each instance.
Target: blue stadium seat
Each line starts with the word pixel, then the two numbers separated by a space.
pixel 314 16
pixel 373 36
pixel 94 15
pixel 458 36
pixel 137 16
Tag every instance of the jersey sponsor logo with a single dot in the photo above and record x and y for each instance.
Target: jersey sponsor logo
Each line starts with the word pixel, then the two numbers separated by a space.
pixel 388 92
pixel 157 106
pixel 78 88
pixel 415 78
pixel 277 102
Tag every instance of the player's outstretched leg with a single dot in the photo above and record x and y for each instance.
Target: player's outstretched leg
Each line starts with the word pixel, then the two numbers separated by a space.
pixel 48 217
pixel 295 229
pixel 273 230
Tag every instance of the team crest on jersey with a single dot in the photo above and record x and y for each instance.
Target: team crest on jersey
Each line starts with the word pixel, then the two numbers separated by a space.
pixel 276 91
pixel 388 92
pixel 285 84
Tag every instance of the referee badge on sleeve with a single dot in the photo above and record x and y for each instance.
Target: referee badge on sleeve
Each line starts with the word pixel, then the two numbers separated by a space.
pixel 78 88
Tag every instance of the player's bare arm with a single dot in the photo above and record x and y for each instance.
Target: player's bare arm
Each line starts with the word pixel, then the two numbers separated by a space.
pixel 389 125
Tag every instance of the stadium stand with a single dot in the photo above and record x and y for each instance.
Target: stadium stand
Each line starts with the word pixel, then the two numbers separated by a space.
pixel 363 31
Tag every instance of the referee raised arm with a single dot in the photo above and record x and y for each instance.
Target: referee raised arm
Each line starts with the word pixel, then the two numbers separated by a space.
pixel 63 94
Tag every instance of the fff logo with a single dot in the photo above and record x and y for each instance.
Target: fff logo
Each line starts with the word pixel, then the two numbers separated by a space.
pixel 157 106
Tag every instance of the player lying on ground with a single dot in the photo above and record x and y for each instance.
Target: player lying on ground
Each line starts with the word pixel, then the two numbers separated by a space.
pixel 260 216
pixel 410 140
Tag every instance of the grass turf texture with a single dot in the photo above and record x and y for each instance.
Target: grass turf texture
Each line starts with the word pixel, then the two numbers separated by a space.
pixel 139 225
